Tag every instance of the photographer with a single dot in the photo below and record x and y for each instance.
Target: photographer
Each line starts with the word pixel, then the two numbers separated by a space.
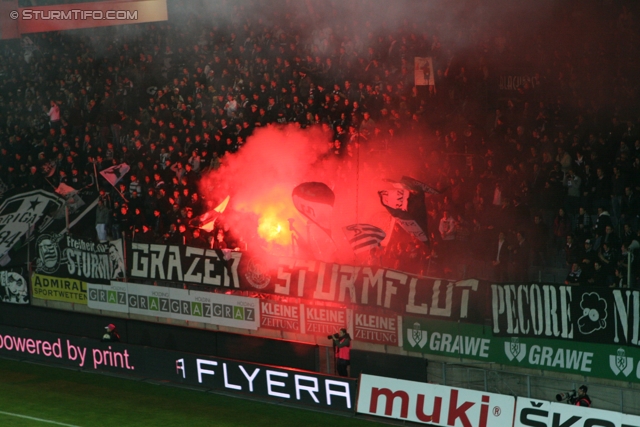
pixel 583 399
pixel 342 346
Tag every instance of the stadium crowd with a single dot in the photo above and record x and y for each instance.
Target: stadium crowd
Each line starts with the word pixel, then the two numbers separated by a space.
pixel 546 173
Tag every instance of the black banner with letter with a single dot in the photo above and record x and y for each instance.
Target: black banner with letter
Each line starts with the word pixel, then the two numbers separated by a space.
pixel 364 285
pixel 590 314
pixel 184 264
pixel 291 385
pixel 65 256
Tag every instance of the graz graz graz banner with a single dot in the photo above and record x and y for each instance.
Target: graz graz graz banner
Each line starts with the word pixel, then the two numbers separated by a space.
pixel 467 341
pixel 372 286
pixel 62 255
pixel 157 301
pixel 183 264
pixel 590 314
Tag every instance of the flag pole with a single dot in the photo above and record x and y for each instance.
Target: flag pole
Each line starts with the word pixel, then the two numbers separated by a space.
pixel 122 195
pixel 95 172
pixel 49 182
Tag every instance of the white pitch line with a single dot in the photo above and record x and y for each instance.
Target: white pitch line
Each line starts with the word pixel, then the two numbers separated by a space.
pixel 11 414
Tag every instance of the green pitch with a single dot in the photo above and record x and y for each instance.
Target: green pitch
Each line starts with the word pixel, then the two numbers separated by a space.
pixel 35 395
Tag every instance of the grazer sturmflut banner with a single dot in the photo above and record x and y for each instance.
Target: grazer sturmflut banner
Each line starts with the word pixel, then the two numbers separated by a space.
pixel 372 286
pixel 183 264
pixel 589 314
pixel 62 255
pixel 158 301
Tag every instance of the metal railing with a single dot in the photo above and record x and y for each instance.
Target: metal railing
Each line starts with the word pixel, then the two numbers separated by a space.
pixel 543 387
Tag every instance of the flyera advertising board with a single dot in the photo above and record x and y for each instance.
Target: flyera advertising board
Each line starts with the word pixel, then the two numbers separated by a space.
pixel 433 404
pixel 477 342
pixel 540 413
pixel 293 386
pixel 157 301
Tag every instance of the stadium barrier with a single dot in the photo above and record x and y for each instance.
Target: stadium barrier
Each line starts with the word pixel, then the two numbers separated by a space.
pixel 450 406
pixel 291 386
pixel 167 337
pixel 380 396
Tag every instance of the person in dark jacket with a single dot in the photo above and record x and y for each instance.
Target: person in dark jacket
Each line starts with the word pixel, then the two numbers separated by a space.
pixel 102 219
pixel 342 345
pixel 583 398
pixel 111 335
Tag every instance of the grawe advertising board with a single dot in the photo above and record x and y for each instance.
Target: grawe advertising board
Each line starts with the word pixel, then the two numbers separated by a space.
pixel 476 342
pixel 433 404
pixel 540 413
pixel 292 386
pixel 158 301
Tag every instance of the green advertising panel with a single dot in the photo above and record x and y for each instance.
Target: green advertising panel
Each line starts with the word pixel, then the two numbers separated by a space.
pixel 468 341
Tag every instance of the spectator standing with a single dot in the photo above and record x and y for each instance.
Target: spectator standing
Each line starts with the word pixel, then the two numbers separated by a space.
pixel 102 219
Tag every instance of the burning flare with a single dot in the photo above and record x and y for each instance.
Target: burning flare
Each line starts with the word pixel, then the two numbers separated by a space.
pixel 272 208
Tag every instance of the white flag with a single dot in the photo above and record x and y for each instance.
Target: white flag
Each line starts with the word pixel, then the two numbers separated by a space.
pixel 115 173
pixel 423 72
pixel 363 237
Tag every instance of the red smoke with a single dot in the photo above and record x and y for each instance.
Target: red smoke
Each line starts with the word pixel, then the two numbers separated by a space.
pixel 262 175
